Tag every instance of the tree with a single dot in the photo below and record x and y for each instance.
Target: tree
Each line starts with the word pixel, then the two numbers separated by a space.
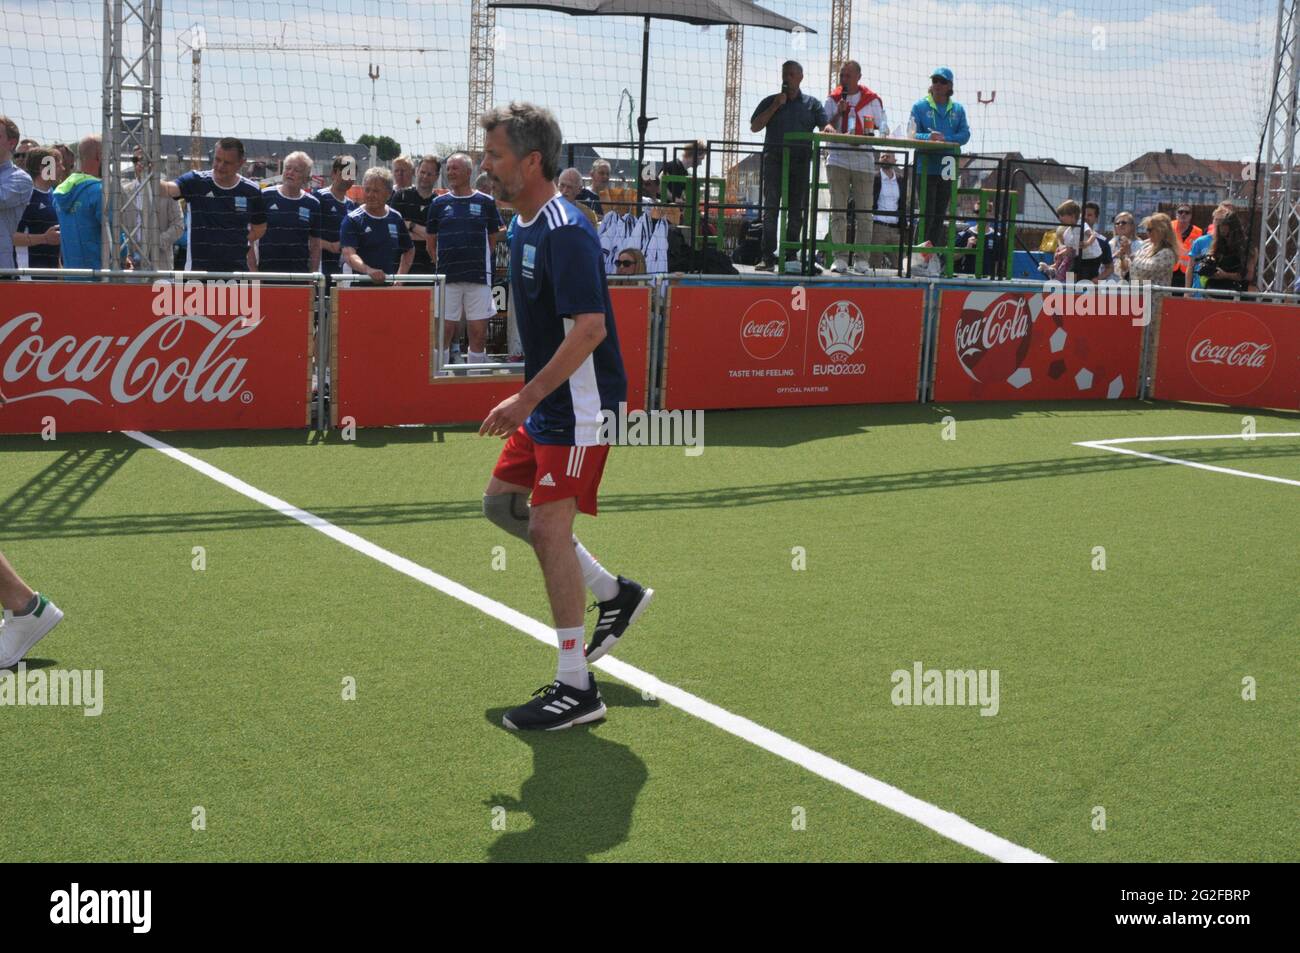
pixel 386 147
pixel 329 135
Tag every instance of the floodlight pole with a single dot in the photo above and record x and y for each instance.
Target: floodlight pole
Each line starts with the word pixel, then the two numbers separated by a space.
pixel 642 121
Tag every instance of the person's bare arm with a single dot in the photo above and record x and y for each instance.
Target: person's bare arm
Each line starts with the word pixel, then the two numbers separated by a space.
pixel 585 336
pixel 169 189
pixel 408 256
pixel 256 231
pixel 431 245
pixel 48 237
pixel 359 267
pixel 313 253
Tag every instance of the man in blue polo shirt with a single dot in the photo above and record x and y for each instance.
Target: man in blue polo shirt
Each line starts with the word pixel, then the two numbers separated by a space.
pixel 463 228
pixel 292 239
pixel 227 213
pixel 373 239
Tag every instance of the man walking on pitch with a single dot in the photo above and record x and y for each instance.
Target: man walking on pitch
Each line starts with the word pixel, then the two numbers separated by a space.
pixel 573 370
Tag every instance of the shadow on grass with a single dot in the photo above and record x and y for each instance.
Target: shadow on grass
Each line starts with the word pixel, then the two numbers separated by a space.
pixel 28 514
pixel 581 793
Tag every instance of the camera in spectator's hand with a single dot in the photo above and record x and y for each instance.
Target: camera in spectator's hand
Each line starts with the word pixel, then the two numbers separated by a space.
pixel 1209 266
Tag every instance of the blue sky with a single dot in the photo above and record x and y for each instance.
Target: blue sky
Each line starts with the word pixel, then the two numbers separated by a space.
pixel 1092 83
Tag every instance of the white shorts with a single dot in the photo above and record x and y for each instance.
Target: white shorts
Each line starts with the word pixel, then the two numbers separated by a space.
pixel 470 301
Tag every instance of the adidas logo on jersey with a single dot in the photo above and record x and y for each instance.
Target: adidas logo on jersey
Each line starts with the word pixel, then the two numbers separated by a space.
pixel 546 480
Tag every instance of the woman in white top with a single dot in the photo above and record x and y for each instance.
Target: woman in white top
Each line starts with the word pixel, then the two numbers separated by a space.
pixel 1124 245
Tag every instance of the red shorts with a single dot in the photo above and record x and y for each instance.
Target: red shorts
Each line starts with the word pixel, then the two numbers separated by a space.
pixel 554 471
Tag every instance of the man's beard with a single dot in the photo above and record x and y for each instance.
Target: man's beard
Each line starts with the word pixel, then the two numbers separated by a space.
pixel 507 191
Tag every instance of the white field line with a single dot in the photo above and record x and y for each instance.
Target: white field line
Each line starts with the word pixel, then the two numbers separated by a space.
pixel 944 823
pixel 1110 445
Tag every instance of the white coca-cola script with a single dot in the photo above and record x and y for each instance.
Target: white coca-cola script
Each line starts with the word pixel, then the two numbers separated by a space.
pixel 209 376
pixel 771 329
pixel 1242 354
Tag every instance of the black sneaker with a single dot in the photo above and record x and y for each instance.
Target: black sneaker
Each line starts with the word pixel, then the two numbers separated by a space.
pixel 556 706
pixel 767 264
pixel 616 615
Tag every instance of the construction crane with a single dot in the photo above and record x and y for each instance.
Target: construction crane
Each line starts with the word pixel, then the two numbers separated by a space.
pixel 731 108
pixel 482 70
pixel 194 41
pixel 841 24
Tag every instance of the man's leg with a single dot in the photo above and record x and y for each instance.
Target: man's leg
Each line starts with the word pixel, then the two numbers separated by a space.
pixel 882 234
pixel 550 528
pixel 840 181
pixel 938 191
pixel 15 595
pixel 798 202
pixel 862 217
pixel 478 310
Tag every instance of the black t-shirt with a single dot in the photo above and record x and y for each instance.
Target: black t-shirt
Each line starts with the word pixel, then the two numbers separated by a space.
pixel 675 167
pixel 414 209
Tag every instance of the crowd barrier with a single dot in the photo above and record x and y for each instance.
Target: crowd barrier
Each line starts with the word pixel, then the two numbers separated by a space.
pixel 126 351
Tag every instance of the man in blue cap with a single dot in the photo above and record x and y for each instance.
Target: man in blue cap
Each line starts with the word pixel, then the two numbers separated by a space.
pixel 939 118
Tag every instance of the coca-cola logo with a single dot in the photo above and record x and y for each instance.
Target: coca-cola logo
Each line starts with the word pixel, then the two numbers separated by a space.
pixel 137 367
pixel 764 329
pixel 1231 353
pixel 993 332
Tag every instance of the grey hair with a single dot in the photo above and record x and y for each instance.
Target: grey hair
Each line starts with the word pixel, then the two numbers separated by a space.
pixel 602 164
pixel 378 172
pixel 300 158
pixel 575 172
pixel 529 128
pixel 461 157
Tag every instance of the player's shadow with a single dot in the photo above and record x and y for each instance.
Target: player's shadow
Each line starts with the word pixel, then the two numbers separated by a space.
pixel 581 793
pixel 31 664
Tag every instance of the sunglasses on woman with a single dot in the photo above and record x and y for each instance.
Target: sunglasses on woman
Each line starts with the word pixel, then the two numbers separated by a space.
pixel 625 263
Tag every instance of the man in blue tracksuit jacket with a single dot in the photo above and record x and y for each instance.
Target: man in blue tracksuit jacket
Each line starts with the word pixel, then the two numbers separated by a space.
pixel 79 202
pixel 944 120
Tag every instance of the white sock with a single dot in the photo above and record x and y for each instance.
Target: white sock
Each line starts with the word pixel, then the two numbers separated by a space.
pixel 597 578
pixel 572 668
pixel 446 356
pixel 478 357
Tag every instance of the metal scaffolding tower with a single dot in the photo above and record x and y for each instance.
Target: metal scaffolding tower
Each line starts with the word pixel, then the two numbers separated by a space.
pixel 1276 179
pixel 841 26
pixel 132 119
pixel 482 70
pixel 731 106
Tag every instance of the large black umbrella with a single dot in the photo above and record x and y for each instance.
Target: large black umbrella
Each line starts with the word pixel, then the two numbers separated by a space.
pixel 698 12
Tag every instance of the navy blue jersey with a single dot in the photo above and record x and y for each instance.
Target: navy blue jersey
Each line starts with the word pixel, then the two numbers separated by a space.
pixel 219 221
pixel 556 271
pixel 38 218
pixel 463 224
pixel 290 226
pixel 379 241
pixel 332 213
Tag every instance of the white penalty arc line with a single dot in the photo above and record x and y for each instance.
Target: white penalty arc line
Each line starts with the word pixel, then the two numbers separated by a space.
pixel 1110 445
pixel 944 823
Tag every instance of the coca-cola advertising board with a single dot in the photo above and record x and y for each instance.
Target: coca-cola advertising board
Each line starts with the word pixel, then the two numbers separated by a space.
pixel 781 346
pixel 1018 345
pixel 382 360
pixel 94 357
pixel 1225 352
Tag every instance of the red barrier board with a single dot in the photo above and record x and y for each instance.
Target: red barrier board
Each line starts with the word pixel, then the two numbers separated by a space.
pixel 1228 352
pixel 1020 345
pixel 382 344
pixel 97 357
pixel 736 346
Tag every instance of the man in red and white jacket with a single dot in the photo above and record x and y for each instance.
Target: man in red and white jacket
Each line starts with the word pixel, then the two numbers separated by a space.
pixel 855 110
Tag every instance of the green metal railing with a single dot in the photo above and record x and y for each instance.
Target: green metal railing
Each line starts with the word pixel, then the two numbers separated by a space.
pixel 712 191
pixel 808 242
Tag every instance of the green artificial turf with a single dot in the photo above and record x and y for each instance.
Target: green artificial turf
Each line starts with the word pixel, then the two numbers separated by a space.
pixel 1119 689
